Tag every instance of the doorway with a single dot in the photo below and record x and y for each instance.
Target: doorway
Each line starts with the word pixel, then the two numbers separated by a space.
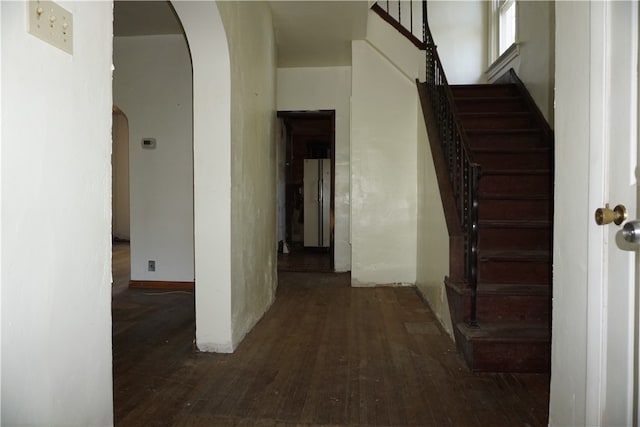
pixel 306 211
pixel 121 256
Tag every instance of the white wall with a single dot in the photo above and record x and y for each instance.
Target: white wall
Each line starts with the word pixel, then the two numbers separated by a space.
pixel 56 221
pixel 383 170
pixel 536 68
pixel 152 84
pixel 534 62
pixel 570 276
pixel 252 52
pixel 433 237
pixel 120 176
pixel 327 88
pixel 212 171
pixel 394 46
pixel 459 29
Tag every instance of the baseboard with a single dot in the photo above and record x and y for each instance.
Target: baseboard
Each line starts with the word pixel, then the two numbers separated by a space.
pixel 152 284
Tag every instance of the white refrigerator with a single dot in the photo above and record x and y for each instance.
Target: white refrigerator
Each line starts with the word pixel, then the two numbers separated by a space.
pixel 317 202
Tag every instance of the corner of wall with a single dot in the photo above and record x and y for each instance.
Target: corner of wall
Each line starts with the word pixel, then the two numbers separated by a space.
pixel 251 43
pixel 432 253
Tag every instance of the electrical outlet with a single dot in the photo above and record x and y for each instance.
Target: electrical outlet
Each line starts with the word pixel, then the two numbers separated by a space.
pixel 152 265
pixel 50 23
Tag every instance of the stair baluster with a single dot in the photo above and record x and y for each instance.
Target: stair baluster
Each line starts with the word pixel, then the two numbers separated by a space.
pixel 464 173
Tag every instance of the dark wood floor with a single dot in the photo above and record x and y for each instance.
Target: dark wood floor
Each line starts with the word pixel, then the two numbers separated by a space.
pixel 120 265
pixel 324 354
pixel 301 259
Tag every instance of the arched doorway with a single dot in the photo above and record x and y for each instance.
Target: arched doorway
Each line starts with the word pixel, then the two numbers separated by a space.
pixel 211 171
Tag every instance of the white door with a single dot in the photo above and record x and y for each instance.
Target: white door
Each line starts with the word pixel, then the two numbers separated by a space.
pixel 611 298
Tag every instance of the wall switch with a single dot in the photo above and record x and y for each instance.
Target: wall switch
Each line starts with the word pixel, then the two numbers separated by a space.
pixel 152 265
pixel 50 23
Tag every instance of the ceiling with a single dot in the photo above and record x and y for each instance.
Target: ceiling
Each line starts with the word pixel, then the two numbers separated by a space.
pixel 308 33
pixel 317 33
pixel 139 18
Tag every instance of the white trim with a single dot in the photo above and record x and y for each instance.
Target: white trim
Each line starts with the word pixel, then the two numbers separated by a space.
pixel 596 247
pixel 503 63
pixel 492 26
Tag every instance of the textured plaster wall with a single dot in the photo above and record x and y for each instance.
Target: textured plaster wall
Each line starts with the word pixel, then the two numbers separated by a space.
pixel 536 68
pixel 152 85
pixel 211 170
pixel 535 62
pixel 433 238
pixel 383 170
pixel 252 54
pixel 326 88
pixel 459 29
pixel 56 221
pixel 394 46
pixel 120 176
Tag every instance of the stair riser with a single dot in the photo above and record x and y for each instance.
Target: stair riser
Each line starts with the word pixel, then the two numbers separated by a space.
pixel 490 356
pixel 493 106
pixel 483 91
pixel 519 209
pixel 497 122
pixel 511 161
pixel 496 239
pixel 515 184
pixel 509 308
pixel 500 271
pixel 506 140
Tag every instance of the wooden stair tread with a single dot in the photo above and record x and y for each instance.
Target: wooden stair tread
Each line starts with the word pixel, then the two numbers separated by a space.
pixel 515 255
pixel 503 289
pixel 511 150
pixel 513 289
pixel 509 332
pixel 500 196
pixel 521 172
pixel 514 150
pixel 480 131
pixel 492 114
pixel 484 86
pixel 487 98
pixel 515 223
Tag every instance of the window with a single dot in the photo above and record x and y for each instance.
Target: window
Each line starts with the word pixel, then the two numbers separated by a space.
pixel 506 24
pixel 503 45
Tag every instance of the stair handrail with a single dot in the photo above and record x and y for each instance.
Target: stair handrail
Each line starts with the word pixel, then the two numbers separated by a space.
pixel 464 173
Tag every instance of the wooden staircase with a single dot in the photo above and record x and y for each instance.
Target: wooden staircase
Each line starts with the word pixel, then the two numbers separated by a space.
pixel 502 249
pixel 514 146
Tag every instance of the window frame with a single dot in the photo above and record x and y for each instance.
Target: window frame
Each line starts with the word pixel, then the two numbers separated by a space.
pixel 500 60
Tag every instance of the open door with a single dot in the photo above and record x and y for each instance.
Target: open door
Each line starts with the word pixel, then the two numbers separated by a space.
pixel 595 311
pixel 613 148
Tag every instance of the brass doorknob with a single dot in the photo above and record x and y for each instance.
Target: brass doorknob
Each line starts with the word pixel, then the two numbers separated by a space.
pixel 607 216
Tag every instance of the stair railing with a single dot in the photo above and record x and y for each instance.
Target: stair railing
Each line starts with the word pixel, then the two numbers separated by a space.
pixel 464 173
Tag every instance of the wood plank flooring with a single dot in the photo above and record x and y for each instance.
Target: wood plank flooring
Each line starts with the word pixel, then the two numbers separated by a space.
pixel 307 260
pixel 120 265
pixel 324 354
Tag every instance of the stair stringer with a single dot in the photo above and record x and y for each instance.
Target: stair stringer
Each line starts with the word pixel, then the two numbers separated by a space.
pixel 434 289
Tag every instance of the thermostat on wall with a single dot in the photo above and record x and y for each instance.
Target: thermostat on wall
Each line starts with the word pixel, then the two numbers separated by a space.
pixel 149 143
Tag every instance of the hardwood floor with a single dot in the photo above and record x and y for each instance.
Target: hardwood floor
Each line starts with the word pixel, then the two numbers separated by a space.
pixel 120 266
pixel 300 259
pixel 324 354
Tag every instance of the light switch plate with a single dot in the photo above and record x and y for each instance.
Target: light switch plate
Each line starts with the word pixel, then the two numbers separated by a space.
pixel 51 23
